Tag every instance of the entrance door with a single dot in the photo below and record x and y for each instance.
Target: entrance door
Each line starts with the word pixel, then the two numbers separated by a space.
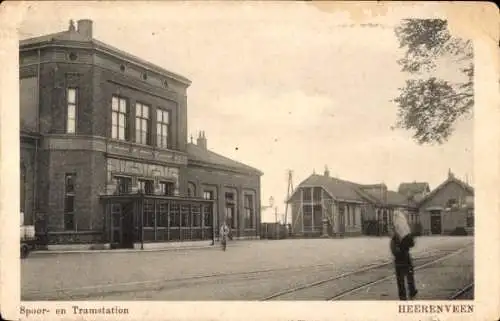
pixel 341 221
pixel 122 225
pixel 436 222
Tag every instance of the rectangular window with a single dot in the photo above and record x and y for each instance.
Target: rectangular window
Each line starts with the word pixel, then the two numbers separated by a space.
pixel 69 202
pixel 175 215
pixel 318 216
pixel 207 215
pixel 162 128
pixel 249 211
pixel 307 213
pixel 306 194
pixel 317 194
pixel 71 112
pixel 185 216
pixel 123 185
pixel 119 118
pixel 208 195
pixel 196 214
pixel 167 188
pixel 149 213
pixel 470 217
pixel 142 124
pixel 146 186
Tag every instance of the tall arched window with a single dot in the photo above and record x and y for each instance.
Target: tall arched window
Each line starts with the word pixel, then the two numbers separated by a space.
pixel 22 186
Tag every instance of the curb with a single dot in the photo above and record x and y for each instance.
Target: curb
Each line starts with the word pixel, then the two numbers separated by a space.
pixel 53 252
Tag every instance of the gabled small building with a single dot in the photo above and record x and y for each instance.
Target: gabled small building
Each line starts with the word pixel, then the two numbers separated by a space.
pixel 448 207
pixel 326 206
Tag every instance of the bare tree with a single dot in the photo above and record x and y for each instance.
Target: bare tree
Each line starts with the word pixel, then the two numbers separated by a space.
pixel 428 105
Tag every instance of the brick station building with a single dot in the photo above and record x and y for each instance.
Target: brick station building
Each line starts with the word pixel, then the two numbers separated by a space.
pixel 104 150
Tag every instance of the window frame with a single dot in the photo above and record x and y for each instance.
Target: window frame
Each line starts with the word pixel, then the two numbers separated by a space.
pixel 120 178
pixel 118 112
pixel 69 195
pixel 143 120
pixel 163 129
pixel 249 210
pixel 73 104
pixel 165 191
pixel 148 189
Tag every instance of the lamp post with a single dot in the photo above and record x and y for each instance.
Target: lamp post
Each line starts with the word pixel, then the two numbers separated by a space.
pixel 271 204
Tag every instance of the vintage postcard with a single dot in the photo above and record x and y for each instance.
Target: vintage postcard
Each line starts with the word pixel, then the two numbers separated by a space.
pixel 249 160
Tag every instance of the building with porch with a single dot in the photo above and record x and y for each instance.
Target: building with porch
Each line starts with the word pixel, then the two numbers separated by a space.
pixel 448 207
pixel 327 206
pixel 104 151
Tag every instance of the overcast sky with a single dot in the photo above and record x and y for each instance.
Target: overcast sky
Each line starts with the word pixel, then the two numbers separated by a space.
pixel 280 87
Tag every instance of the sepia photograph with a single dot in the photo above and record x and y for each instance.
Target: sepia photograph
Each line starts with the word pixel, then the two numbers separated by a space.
pixel 263 152
pixel 125 195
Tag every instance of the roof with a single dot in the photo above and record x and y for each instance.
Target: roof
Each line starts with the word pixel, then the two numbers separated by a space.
pixel 197 154
pixel 350 191
pixel 337 188
pixel 413 188
pixel 77 37
pixel 451 179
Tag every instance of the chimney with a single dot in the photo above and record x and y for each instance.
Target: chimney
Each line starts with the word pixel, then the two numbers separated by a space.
pixel 327 171
pixel 85 28
pixel 201 141
pixel 450 174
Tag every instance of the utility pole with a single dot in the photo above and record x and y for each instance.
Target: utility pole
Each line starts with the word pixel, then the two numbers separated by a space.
pixel 288 193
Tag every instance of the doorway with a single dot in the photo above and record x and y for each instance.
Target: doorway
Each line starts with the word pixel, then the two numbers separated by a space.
pixel 122 225
pixel 435 222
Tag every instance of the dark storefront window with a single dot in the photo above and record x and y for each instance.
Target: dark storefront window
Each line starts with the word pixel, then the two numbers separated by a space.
pixel 149 213
pixel 175 220
pixel 69 202
pixel 163 214
pixel 196 212
pixel 185 216
pixel 207 216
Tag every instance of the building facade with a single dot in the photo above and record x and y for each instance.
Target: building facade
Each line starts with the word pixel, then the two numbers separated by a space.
pixel 448 207
pixel 99 125
pixel 326 206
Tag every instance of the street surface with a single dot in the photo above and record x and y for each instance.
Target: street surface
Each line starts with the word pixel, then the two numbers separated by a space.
pixel 306 269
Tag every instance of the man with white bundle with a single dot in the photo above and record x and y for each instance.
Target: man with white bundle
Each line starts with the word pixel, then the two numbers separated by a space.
pixel 401 242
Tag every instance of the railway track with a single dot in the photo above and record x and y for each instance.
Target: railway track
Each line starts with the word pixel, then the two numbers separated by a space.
pixel 362 278
pixel 158 284
pixel 382 270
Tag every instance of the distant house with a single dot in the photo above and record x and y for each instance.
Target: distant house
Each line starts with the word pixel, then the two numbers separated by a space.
pixel 448 207
pixel 325 206
pixel 415 191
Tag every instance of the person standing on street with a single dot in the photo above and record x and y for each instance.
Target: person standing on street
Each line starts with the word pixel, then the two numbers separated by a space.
pixel 401 243
pixel 224 233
